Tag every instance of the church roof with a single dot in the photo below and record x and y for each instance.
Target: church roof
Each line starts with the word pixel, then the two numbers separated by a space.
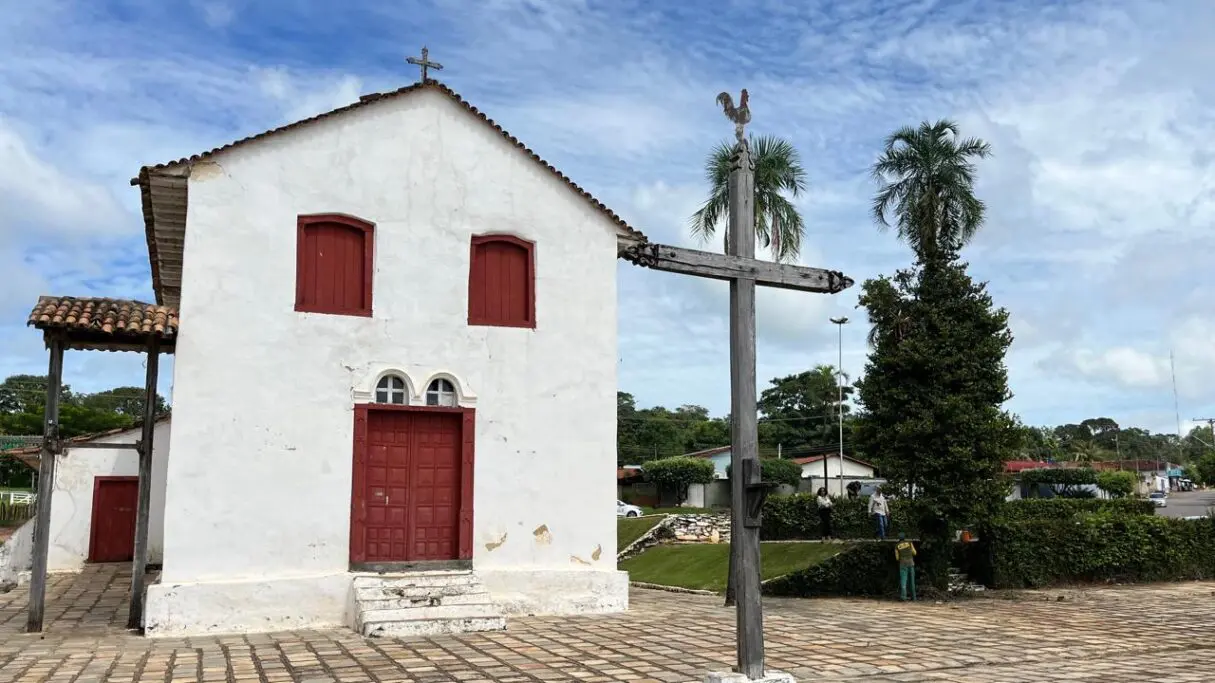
pixel 163 190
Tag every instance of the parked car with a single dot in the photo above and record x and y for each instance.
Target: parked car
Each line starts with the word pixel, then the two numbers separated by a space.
pixel 623 509
pixel 1159 498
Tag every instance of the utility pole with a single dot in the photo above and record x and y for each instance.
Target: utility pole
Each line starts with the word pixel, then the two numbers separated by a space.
pixel 839 369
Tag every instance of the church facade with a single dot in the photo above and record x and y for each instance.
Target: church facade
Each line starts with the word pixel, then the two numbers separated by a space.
pixel 396 366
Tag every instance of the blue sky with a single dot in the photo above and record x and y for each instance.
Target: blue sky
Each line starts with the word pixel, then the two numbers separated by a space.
pixel 1101 191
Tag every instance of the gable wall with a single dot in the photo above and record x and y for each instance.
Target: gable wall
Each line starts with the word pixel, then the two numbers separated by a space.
pixel 259 484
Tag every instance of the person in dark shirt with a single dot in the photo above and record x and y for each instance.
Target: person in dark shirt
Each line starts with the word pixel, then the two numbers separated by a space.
pixel 904 552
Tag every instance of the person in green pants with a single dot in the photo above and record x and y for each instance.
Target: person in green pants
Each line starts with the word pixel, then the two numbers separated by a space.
pixel 904 552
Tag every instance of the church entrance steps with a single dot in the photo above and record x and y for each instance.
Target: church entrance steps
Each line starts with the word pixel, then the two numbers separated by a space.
pixel 423 603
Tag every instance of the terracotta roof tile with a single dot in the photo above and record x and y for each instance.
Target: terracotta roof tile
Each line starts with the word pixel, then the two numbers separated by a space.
pixel 375 97
pixel 113 317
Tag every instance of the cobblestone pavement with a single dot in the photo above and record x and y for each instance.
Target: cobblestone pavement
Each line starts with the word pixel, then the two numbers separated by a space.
pixel 1159 633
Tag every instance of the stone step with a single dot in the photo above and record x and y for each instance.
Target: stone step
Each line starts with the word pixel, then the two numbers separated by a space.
pixel 385 591
pixel 428 613
pixel 383 602
pixel 429 579
pixel 431 627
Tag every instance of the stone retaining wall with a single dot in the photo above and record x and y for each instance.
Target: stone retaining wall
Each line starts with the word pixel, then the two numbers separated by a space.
pixel 714 528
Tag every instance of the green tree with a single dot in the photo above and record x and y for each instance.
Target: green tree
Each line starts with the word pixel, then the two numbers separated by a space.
pixel 22 404
pixel 1204 467
pixel 933 396
pixel 801 411
pixel 778 171
pixel 1086 452
pixel 927 177
pixel 775 471
pixel 677 473
pixel 122 400
pixel 1117 484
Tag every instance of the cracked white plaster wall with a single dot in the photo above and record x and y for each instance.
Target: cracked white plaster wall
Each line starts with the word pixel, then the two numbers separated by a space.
pixel 429 175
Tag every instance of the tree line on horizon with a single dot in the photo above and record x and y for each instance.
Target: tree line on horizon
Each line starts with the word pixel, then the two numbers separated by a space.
pixel 799 416
pixel 22 405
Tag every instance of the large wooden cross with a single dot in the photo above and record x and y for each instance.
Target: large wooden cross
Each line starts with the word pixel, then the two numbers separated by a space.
pixel 744 272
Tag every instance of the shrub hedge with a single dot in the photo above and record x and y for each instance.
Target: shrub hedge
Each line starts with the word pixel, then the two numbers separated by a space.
pixel 795 517
pixel 1059 508
pixel 869 570
pixel 1032 553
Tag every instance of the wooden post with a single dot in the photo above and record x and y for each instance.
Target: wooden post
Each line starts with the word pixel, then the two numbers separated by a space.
pixel 744 434
pixel 46 485
pixel 140 562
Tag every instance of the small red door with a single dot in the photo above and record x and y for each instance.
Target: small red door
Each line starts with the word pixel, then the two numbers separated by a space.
pixel 112 534
pixel 409 488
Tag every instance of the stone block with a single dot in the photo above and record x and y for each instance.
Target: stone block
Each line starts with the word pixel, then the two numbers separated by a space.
pixel 734 677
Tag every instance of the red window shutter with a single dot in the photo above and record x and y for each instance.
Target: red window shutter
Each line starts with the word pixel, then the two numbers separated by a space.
pixel 501 282
pixel 334 265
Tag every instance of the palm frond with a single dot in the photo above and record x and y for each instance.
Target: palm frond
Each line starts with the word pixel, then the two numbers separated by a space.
pixel 778 172
pixel 926 187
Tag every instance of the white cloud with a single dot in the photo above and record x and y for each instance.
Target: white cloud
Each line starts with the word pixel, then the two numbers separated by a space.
pixel 36 192
pixel 1101 193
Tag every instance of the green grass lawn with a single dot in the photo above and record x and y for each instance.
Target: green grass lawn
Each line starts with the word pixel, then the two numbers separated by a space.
pixel 705 566
pixel 629 529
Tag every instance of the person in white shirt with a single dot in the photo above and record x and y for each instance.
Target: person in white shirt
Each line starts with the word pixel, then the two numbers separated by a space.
pixel 824 513
pixel 880 511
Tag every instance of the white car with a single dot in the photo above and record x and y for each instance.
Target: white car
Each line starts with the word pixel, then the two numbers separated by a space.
pixel 623 509
pixel 1159 498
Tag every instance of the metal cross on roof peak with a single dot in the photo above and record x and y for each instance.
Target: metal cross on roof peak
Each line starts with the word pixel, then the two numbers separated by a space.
pixel 424 62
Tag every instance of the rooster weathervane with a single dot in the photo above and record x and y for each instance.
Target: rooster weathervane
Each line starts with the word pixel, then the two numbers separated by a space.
pixel 740 115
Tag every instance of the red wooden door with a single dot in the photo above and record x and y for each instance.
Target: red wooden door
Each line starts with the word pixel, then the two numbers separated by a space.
pixel 386 476
pixel 410 488
pixel 434 489
pixel 112 533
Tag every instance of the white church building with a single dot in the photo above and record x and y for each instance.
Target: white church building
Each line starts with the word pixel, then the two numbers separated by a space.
pixel 395 377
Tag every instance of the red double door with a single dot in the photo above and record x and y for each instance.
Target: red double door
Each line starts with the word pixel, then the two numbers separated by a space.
pixel 408 483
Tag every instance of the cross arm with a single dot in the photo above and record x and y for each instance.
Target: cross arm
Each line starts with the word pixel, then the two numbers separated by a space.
pixel 725 267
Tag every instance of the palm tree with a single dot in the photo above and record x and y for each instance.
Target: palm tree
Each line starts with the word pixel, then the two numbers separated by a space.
pixel 778 169
pixel 927 176
pixel 1086 451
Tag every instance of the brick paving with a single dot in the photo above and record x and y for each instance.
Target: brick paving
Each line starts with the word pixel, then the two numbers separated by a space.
pixel 1159 633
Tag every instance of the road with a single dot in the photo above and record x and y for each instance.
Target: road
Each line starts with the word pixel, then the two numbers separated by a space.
pixel 1188 504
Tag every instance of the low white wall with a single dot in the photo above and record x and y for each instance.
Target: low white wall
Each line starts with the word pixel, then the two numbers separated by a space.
pixel 17 553
pixel 72 498
pixel 307 602
pixel 216 607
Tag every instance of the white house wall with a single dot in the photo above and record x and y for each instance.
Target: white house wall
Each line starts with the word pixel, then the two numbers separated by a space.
pixel 72 497
pixel 260 481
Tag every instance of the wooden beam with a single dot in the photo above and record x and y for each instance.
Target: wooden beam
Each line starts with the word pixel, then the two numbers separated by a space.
pixel 744 432
pixel 730 266
pixel 139 564
pixel 46 487
pixel 68 445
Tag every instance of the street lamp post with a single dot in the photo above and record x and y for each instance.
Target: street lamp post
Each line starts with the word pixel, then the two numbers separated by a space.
pixel 839 322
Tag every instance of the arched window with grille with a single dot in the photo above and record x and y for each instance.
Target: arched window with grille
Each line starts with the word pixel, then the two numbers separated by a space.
pixel 391 389
pixel 441 392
